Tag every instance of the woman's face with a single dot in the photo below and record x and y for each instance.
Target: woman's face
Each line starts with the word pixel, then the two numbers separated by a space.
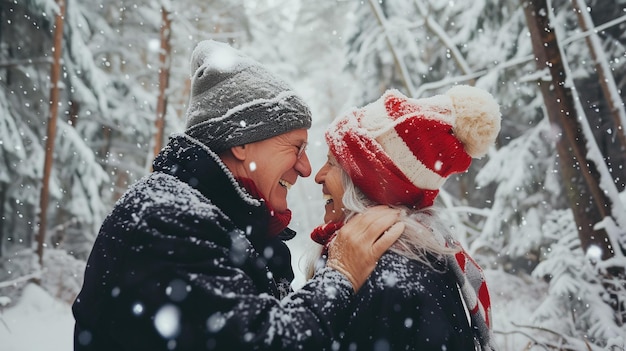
pixel 329 176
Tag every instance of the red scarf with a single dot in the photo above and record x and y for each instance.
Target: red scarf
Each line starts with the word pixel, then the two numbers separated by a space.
pixel 325 233
pixel 278 221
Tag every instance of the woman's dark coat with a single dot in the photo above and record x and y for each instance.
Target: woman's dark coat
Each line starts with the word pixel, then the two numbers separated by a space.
pixel 406 305
pixel 183 262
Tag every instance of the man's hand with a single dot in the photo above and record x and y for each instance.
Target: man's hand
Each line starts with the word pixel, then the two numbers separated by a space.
pixel 362 240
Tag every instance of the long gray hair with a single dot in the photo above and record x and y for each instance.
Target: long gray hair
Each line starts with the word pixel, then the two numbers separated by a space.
pixel 424 234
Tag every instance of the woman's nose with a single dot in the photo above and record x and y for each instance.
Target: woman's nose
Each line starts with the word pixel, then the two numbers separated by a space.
pixel 321 174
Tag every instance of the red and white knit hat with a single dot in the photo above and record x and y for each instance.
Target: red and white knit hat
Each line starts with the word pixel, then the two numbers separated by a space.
pixel 400 150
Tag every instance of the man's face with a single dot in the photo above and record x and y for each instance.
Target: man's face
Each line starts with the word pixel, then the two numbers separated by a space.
pixel 275 164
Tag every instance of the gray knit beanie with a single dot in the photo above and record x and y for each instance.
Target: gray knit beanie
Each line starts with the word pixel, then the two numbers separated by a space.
pixel 235 100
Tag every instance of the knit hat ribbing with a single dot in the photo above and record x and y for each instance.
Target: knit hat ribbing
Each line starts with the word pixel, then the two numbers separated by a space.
pixel 400 150
pixel 235 100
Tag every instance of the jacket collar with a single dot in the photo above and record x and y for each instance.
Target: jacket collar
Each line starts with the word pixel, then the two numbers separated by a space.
pixel 195 164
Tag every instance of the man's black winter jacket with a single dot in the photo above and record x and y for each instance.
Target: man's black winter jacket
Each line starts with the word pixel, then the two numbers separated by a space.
pixel 183 262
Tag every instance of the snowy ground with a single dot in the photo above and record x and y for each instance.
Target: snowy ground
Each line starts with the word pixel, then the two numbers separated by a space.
pixel 40 322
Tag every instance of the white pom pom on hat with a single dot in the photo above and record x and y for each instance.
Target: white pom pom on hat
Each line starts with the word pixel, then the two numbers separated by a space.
pixel 400 150
pixel 477 120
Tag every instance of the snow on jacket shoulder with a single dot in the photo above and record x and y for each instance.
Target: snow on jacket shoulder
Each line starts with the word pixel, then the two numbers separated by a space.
pixel 171 269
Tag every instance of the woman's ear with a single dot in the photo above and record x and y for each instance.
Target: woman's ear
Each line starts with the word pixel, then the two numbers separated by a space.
pixel 239 152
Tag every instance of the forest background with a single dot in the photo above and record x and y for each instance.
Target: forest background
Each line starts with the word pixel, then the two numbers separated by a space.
pixel 90 90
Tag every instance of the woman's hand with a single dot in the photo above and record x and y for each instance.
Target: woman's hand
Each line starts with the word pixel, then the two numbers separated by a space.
pixel 362 241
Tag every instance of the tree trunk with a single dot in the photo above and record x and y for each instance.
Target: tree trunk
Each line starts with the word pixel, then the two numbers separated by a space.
pixel 74 109
pixel 606 81
pixel 55 76
pixel 3 197
pixel 580 176
pixel 164 73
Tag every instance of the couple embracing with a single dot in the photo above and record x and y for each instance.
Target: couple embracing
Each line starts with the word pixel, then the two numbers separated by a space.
pixel 192 257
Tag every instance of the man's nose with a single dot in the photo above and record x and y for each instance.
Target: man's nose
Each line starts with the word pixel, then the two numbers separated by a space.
pixel 303 166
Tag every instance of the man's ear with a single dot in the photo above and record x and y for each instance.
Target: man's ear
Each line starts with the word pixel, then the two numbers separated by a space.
pixel 239 152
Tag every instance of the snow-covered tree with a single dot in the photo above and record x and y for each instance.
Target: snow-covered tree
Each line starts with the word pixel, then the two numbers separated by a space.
pixel 585 287
pixel 89 96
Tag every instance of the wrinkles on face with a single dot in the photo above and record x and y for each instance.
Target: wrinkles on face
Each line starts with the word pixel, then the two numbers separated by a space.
pixel 275 164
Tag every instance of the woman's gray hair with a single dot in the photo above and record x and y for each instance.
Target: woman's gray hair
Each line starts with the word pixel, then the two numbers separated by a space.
pixel 424 234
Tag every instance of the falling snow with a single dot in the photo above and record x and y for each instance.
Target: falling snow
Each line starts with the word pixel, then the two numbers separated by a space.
pixel 510 210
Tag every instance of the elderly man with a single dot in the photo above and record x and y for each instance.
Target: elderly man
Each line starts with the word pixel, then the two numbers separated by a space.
pixel 192 256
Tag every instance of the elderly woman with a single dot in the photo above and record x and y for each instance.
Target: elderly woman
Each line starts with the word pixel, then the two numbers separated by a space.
pixel 426 293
